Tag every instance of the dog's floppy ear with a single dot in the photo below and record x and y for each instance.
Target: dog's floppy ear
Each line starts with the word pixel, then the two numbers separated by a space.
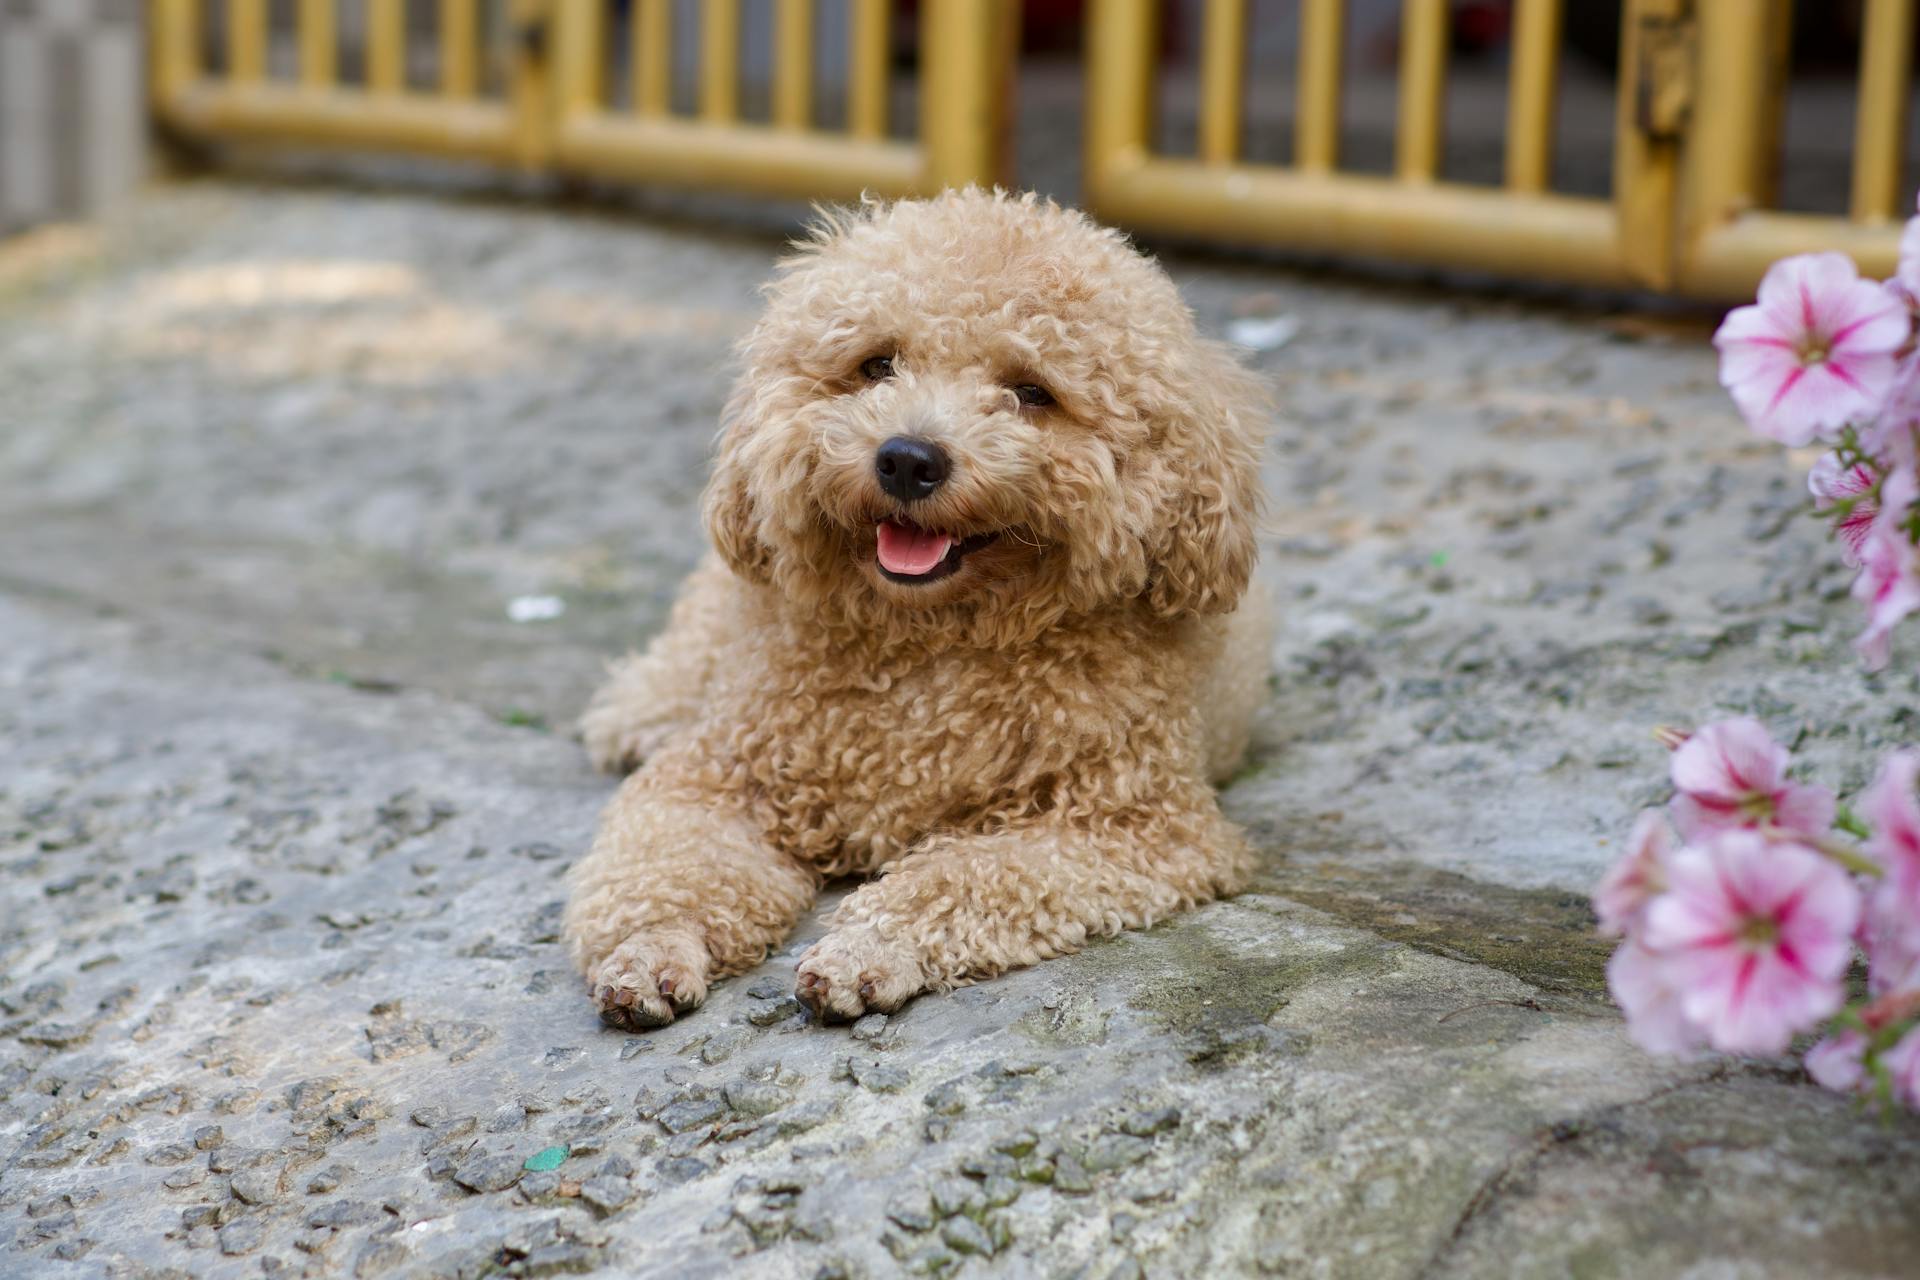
pixel 732 522
pixel 1203 551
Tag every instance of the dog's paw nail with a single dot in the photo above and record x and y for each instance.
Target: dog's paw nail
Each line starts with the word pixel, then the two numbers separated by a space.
pixel 636 1017
pixel 619 1018
pixel 866 988
pixel 650 979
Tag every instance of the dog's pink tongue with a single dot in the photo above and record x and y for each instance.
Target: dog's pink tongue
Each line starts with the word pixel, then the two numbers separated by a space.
pixel 905 549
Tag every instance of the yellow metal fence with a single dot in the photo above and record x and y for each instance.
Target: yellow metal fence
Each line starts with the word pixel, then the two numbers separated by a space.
pixel 1697 139
pixel 1698 118
pixel 555 113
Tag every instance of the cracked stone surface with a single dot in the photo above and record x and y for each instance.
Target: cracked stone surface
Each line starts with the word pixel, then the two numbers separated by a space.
pixel 286 799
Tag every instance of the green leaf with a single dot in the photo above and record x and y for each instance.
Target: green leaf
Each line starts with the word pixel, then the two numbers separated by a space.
pixel 1849 821
pixel 548 1160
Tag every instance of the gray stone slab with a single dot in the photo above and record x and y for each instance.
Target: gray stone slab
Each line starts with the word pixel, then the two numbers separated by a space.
pixel 286 799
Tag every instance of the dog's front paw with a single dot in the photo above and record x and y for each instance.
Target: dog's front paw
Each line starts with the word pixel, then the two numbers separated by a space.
pixel 854 971
pixel 650 978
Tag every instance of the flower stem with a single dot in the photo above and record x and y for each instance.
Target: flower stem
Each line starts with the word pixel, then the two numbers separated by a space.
pixel 1840 851
pixel 1894 1007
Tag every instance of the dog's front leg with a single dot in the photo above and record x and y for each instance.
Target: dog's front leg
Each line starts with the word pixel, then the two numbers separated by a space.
pixel 966 907
pixel 675 893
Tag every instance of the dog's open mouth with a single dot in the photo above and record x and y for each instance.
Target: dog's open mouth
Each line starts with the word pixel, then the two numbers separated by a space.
pixel 908 553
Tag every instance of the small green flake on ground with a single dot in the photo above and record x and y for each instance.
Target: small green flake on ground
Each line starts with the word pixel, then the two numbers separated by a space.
pixel 547 1161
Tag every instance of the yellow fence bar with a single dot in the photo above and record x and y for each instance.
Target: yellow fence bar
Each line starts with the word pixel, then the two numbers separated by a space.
pixel 1223 73
pixel 530 102
pixel 1728 165
pixel 1120 90
pixel 1728 262
pixel 793 64
pixel 652 56
pixel 386 45
pixel 871 38
pixel 964 89
pixel 720 61
pixel 1880 130
pixel 695 153
pixel 246 40
pixel 1729 157
pixel 280 113
pixel 1424 30
pixel 1316 129
pixel 1645 160
pixel 459 48
pixel 319 44
pixel 579 42
pixel 1531 93
pixel 176 47
pixel 1480 228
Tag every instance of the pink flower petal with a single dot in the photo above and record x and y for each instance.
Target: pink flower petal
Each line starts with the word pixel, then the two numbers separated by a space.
pixel 1816 351
pixel 1835 1063
pixel 1805 808
pixel 1889 587
pixel 1755 936
pixel 1908 272
pixel 1638 981
pixel 1636 877
pixel 1730 760
pixel 1891 807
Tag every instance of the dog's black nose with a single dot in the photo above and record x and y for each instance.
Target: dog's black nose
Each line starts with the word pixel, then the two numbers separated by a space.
pixel 911 468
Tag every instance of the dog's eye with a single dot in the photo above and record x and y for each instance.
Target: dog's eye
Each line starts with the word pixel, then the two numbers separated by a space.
pixel 1033 395
pixel 877 368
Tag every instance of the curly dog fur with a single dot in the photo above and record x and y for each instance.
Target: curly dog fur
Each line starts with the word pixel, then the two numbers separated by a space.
pixel 1017 748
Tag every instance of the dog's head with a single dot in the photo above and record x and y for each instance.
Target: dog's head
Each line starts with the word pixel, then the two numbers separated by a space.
pixel 986 412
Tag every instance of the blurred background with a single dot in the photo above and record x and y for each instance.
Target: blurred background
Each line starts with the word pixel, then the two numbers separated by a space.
pixel 1717 108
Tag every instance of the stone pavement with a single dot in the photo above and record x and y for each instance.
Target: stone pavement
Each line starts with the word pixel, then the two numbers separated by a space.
pixel 286 797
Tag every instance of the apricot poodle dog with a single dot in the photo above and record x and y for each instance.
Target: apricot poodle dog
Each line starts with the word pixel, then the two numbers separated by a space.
pixel 984 509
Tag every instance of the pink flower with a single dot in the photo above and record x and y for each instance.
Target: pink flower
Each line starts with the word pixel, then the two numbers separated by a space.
pixel 1892 944
pixel 1835 1063
pixel 1831 484
pixel 1902 1065
pixel 1906 276
pixel 1891 806
pixel 1732 774
pixel 1643 988
pixel 1640 873
pixel 1889 437
pixel 1838 1063
pixel 1755 936
pixel 1889 581
pixel 1815 352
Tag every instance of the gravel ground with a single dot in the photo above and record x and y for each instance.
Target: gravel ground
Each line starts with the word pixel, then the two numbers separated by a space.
pixel 286 796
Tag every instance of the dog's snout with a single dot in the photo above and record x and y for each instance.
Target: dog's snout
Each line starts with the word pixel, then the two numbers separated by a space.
pixel 910 468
